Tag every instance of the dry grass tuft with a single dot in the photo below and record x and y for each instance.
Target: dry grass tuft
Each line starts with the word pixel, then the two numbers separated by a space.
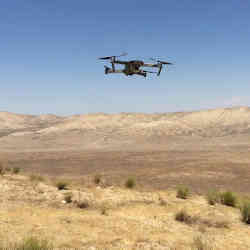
pixel 62 184
pixel 228 198
pixel 130 183
pixel 30 243
pixel 200 243
pixel 183 192
pixel 83 204
pixel 183 216
pixel 213 197
pixel 16 170
pixel 97 179
pixel 36 178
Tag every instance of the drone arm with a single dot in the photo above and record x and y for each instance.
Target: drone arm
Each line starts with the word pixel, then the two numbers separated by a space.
pixel 120 62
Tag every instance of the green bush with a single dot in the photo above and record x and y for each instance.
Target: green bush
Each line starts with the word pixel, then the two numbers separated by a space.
pixel 228 198
pixel 213 197
pixel 130 183
pixel 182 192
pixel 245 212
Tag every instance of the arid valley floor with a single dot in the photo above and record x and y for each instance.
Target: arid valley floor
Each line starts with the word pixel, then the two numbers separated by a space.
pixel 202 150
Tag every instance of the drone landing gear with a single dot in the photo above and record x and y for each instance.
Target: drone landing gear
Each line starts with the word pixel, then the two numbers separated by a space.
pixel 107 69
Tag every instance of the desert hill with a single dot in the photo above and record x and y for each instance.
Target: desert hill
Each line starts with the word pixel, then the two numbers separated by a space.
pixel 113 130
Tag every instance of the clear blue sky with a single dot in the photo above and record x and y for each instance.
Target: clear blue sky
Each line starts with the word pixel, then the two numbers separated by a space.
pixel 49 50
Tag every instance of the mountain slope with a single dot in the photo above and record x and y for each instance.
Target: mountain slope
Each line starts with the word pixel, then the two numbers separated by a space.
pixel 124 128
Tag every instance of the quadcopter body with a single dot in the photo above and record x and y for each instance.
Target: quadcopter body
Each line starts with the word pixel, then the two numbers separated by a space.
pixel 133 67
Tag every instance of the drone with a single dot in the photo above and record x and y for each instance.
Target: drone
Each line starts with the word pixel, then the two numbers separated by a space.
pixel 133 67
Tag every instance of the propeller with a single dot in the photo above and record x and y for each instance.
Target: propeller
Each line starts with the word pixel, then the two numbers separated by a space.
pixel 146 71
pixel 110 57
pixel 161 62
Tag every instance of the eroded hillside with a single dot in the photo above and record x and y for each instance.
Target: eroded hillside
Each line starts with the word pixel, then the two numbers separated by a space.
pixel 114 130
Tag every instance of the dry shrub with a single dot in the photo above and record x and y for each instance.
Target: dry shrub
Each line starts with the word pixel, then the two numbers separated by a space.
pixel 36 178
pixel 182 192
pixel 228 198
pixel 62 184
pixel 245 212
pixel 68 197
pixel 213 197
pixel 16 170
pixel 97 179
pixel 83 204
pixel 2 170
pixel 31 243
pixel 130 183
pixel 183 216
pixel 199 243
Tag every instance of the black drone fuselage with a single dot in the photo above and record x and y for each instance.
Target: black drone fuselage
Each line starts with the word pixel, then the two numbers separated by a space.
pixel 132 67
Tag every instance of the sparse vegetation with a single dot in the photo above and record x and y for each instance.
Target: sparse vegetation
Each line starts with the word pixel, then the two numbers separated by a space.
pixel 36 178
pixel 130 183
pixel 200 244
pixel 222 224
pixel 228 198
pixel 30 243
pixel 245 212
pixel 162 202
pixel 104 211
pixel 183 192
pixel 183 216
pixel 97 179
pixel 213 197
pixel 7 169
pixel 62 185
pixel 68 197
pixel 83 204
pixel 16 170
pixel 2 170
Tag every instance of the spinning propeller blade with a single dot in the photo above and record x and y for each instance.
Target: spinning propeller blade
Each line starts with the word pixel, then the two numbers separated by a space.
pixel 110 57
pixel 161 62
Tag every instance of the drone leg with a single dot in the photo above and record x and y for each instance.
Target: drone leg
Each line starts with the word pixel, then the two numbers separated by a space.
pixel 113 66
pixel 107 70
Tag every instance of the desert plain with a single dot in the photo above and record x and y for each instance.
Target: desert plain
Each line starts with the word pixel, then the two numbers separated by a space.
pixel 201 150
